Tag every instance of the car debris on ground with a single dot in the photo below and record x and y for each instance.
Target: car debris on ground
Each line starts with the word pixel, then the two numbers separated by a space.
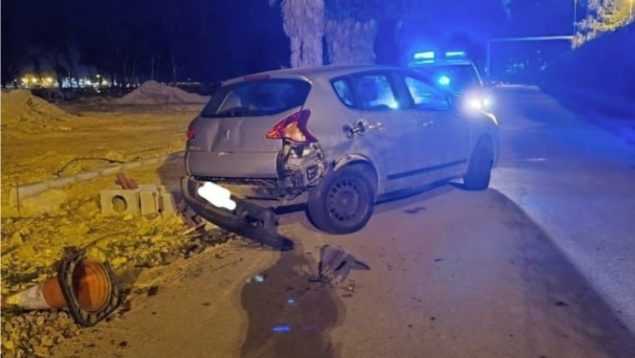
pixel 336 264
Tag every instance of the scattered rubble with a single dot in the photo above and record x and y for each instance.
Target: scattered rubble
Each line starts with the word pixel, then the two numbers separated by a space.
pixel 35 333
pixel 153 92
pixel 32 245
pixel 24 112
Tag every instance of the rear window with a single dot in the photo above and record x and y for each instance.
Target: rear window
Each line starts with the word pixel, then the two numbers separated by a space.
pixel 257 98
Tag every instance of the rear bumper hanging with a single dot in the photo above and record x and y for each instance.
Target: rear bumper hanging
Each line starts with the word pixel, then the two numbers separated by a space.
pixel 247 219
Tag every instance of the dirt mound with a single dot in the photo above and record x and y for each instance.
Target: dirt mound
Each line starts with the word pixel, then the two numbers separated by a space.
pixel 23 111
pixel 153 92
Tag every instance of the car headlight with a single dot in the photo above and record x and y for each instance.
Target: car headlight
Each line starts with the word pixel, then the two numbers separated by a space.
pixel 477 103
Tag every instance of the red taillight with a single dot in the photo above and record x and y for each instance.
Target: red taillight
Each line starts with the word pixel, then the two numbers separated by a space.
pixel 293 128
pixel 190 133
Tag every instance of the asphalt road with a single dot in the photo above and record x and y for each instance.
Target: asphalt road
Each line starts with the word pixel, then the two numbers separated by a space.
pixel 513 271
pixel 576 180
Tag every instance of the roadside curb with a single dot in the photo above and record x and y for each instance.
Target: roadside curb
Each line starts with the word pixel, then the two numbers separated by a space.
pixel 21 192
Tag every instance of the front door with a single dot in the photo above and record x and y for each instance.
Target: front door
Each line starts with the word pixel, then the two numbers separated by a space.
pixel 441 135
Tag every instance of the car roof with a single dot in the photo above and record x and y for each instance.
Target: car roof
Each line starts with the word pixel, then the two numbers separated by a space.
pixel 310 73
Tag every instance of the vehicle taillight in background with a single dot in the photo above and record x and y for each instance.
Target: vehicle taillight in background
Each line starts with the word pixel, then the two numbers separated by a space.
pixel 293 128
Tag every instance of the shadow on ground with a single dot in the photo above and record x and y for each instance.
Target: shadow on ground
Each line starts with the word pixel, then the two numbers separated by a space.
pixel 288 315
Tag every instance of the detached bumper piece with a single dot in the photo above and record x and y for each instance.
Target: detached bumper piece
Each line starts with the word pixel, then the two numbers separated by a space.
pixel 247 219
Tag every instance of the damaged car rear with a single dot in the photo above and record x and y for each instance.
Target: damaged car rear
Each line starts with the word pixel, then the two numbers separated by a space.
pixel 333 138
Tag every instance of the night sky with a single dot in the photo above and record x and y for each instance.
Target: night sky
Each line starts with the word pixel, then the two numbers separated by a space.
pixel 207 40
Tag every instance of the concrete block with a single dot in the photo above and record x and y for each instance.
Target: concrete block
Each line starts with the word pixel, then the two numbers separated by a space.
pixel 148 187
pixel 116 202
pixel 149 200
pixel 167 203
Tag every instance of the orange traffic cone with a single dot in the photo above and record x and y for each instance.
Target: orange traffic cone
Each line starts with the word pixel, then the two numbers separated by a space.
pixel 91 285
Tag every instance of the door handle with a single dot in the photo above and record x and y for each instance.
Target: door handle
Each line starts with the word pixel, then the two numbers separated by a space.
pixel 358 128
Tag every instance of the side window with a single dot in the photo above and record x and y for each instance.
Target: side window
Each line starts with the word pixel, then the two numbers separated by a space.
pixel 343 91
pixel 374 92
pixel 422 93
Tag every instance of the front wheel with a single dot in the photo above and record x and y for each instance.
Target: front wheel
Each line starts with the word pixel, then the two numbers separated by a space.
pixel 480 167
pixel 343 202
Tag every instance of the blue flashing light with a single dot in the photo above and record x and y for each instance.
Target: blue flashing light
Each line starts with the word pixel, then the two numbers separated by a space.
pixel 455 54
pixel 444 80
pixel 425 55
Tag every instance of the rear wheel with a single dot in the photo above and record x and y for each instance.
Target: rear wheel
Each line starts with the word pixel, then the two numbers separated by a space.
pixel 480 167
pixel 343 202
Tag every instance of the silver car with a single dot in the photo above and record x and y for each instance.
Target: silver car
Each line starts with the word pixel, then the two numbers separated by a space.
pixel 334 138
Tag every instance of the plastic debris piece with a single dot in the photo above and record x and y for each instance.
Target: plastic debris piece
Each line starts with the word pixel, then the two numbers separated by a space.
pixel 336 264
pixel 291 301
pixel 259 278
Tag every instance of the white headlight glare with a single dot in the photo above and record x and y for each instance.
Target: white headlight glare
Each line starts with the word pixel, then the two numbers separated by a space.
pixel 474 103
pixel 487 102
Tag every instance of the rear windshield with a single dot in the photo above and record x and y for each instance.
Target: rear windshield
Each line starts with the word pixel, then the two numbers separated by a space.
pixel 257 98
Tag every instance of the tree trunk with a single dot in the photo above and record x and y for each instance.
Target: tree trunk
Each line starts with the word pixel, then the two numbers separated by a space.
pixel 304 25
pixel 351 42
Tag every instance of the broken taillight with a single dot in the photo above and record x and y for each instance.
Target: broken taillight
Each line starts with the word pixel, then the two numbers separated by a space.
pixel 293 128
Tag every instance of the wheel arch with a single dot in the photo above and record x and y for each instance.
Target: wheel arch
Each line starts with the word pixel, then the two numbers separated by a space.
pixel 359 159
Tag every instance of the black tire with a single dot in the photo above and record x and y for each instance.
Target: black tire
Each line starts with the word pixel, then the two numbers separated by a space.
pixel 343 202
pixel 480 167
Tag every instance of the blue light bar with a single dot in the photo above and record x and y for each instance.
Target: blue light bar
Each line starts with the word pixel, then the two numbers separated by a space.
pixel 455 54
pixel 426 55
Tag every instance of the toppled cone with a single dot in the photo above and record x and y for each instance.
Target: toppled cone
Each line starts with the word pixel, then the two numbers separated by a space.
pixel 86 288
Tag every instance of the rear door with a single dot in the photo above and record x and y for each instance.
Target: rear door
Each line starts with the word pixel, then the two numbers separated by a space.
pixel 228 137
